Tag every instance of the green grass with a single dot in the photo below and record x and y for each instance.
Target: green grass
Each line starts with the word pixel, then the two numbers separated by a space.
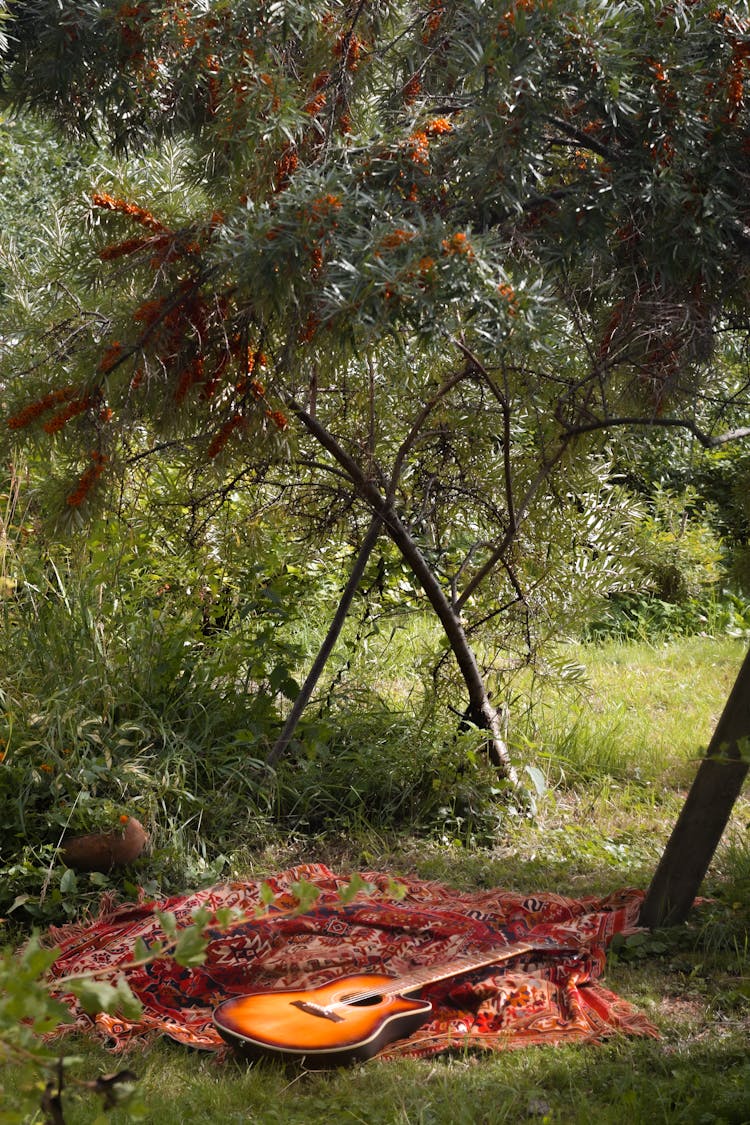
pixel 618 751
pixel 623 1082
pixel 641 712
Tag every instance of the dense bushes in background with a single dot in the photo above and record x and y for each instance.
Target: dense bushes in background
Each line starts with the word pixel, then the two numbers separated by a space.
pixel 147 675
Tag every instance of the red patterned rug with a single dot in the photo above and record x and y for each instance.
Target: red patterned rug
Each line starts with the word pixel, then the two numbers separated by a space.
pixel 550 996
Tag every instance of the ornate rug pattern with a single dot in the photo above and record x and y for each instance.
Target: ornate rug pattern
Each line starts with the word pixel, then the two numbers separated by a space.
pixel 552 996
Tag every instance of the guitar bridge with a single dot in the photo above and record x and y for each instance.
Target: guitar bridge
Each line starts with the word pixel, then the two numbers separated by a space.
pixel 316 1010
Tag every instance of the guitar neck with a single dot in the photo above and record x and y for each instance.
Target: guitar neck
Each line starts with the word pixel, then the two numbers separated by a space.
pixel 464 964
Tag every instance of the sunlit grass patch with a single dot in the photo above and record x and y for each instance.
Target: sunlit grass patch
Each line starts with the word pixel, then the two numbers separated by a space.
pixel 640 712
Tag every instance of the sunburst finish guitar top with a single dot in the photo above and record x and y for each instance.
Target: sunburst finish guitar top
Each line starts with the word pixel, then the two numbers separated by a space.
pixel 347 1019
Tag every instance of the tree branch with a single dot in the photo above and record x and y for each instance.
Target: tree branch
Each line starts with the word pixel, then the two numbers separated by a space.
pixel 334 630
pixel 585 140
pixel 419 421
pixel 708 441
pixel 482 711
pixel 516 513
pixel 521 511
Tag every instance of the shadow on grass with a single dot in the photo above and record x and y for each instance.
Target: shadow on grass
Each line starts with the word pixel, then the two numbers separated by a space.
pixel 624 1081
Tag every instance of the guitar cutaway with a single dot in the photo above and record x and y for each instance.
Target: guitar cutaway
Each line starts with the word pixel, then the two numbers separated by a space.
pixel 348 1020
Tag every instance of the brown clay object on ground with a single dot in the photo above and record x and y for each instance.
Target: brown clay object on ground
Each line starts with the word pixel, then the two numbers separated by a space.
pixel 101 851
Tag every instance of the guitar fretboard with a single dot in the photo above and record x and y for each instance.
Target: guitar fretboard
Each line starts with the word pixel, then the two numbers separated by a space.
pixel 463 964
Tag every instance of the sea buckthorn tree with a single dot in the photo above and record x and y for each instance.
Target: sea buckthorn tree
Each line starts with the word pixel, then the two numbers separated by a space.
pixel 393 223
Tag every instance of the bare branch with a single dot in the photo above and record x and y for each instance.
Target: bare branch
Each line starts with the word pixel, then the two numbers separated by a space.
pixel 334 631
pixel 584 140
pixel 521 510
pixel 419 421
pixel 482 711
pixel 708 441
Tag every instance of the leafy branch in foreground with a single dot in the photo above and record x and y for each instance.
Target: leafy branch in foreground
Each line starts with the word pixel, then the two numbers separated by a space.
pixel 30 1009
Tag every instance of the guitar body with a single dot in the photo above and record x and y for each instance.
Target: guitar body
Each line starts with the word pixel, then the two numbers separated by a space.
pixel 347 1020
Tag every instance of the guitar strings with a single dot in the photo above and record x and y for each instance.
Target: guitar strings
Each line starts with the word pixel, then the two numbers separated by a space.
pixel 465 963
pixel 461 964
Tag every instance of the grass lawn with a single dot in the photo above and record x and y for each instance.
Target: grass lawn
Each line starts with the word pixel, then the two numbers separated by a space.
pixel 618 757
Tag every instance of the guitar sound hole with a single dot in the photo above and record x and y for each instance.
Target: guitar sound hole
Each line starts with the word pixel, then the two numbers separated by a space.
pixel 361 1001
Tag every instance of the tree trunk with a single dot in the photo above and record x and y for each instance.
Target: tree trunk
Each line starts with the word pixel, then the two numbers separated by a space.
pixel 704 816
pixel 480 708
pixel 326 648
pixel 449 617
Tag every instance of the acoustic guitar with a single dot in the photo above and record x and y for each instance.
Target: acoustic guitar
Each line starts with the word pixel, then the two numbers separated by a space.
pixel 349 1019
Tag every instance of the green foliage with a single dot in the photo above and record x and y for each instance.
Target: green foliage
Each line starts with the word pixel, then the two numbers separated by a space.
pixel 39 173
pixel 29 1010
pixel 367 764
pixel 297 276
pixel 644 617
pixel 689 984
pixel 134 687
pixel 679 563
pixel 551 232
pixel 635 713
pixel 584 157
pixel 678 556
pixel 298 294
pixel 612 788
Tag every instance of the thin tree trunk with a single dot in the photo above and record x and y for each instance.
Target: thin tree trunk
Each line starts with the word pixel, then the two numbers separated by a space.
pixel 329 641
pixel 704 816
pixel 480 707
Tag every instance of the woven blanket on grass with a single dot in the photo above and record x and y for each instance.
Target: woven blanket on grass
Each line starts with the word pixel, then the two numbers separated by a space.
pixel 540 997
